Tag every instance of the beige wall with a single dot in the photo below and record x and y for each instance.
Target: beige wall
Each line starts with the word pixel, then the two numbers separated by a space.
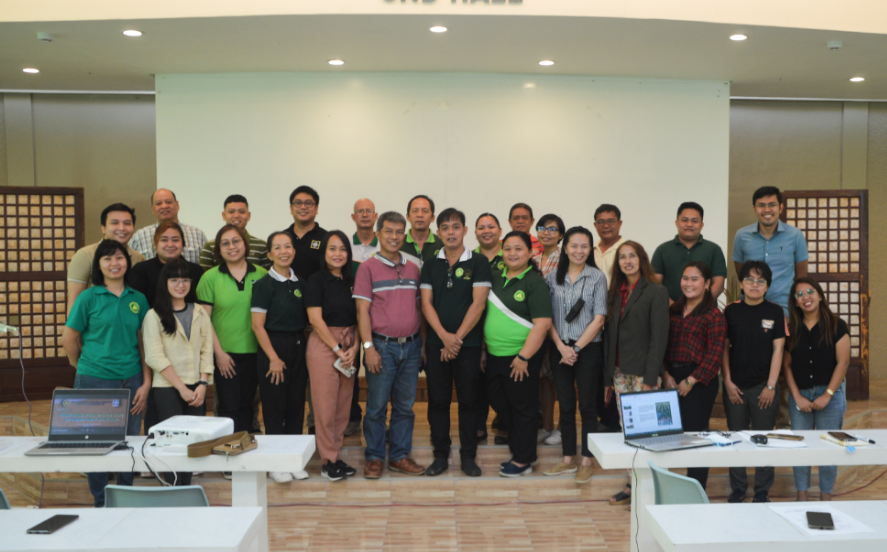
pixel 816 146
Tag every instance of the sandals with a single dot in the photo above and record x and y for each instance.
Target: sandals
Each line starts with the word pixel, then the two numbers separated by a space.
pixel 620 498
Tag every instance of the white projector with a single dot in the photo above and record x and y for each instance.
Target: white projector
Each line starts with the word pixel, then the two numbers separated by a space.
pixel 176 433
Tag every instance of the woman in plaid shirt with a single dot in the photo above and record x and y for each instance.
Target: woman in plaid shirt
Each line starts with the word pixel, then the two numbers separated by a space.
pixel 697 332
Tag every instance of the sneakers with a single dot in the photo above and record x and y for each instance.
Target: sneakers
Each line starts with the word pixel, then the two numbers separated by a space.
pixel 437 467
pixel 554 438
pixel 513 470
pixel 373 469
pixel 534 463
pixel 281 477
pixel 227 475
pixel 542 435
pixel 737 496
pixel 349 471
pixel 332 471
pixel 761 497
pixel 301 474
pixel 352 428
pixel 406 465
pixel 470 467
pixel 562 468
pixel 583 474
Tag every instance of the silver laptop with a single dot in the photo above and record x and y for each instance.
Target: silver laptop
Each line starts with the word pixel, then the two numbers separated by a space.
pixel 85 422
pixel 651 420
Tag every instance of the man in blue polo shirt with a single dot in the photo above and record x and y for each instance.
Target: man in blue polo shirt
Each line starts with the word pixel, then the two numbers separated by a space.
pixel 778 244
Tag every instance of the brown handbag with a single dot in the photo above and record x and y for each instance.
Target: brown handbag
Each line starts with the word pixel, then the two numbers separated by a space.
pixel 230 445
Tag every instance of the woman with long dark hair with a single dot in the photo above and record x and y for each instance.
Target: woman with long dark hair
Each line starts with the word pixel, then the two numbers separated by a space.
pixel 179 348
pixel 697 334
pixel 517 321
pixel 102 338
pixel 333 350
pixel 816 358
pixel 579 307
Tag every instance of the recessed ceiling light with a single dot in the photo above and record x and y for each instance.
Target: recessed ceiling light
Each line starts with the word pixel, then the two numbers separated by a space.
pixel 738 37
pixel 546 62
pixel 30 70
pixel 857 79
pixel 132 32
pixel 336 62
pixel 438 29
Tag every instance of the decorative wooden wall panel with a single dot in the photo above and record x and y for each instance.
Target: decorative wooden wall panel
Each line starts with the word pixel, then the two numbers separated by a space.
pixel 835 224
pixel 40 229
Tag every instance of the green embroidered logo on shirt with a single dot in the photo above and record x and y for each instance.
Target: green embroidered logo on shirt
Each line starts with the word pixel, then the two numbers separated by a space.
pixel 501 265
pixel 298 293
pixel 134 307
pixel 459 272
pixel 519 295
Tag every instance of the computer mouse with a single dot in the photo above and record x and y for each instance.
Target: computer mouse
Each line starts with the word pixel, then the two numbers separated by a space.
pixel 759 439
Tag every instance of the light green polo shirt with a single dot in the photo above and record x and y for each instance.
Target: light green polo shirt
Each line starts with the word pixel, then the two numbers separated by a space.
pixel 108 327
pixel 230 301
pixel 511 307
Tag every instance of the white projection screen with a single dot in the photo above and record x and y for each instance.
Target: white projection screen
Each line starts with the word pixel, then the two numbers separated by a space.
pixel 478 142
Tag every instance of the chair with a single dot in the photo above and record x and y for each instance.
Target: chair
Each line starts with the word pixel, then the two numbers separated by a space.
pixel 121 496
pixel 672 488
pixel 4 504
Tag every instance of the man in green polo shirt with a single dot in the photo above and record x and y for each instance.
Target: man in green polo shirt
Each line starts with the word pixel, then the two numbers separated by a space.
pixel 454 288
pixel 688 245
pixel 235 212
pixel 420 243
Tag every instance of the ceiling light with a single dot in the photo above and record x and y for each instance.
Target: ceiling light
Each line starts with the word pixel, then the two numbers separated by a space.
pixel 854 79
pixel 30 70
pixel 438 29
pixel 132 32
pixel 546 62
pixel 336 62
pixel 738 37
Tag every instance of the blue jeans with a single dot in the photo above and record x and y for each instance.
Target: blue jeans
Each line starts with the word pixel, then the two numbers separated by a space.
pixel 397 380
pixel 99 480
pixel 831 417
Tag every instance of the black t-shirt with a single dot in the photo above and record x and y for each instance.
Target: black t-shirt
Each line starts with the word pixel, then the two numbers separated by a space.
pixel 814 362
pixel 308 253
pixel 751 331
pixel 145 275
pixel 333 295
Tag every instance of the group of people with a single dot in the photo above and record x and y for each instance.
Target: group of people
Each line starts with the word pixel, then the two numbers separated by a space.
pixel 517 324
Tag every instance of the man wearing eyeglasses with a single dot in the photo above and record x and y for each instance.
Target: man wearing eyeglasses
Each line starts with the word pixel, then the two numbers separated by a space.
pixel 778 244
pixel 454 290
pixel 307 234
pixel 608 225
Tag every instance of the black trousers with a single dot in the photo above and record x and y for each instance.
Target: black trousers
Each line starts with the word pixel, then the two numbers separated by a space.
pixel 169 403
pixel 439 374
pixel 283 405
pixel 584 376
pixel 739 418
pixel 696 408
pixel 236 394
pixel 608 413
pixel 516 403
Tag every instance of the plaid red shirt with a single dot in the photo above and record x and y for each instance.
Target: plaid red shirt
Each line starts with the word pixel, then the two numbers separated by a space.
pixel 698 339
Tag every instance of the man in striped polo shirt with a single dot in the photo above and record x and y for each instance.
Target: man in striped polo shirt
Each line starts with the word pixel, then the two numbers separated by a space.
pixel 387 291
pixel 235 212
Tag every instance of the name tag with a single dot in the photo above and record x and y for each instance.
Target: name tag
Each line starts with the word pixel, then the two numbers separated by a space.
pixel 767 324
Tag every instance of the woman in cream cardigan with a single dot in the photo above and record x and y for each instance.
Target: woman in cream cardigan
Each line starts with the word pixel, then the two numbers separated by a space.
pixel 179 348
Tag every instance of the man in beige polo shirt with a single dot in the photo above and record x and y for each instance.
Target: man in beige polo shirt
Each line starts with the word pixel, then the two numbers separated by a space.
pixel 607 224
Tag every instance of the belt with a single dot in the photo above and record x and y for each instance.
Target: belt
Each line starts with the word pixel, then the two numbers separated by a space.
pixel 398 340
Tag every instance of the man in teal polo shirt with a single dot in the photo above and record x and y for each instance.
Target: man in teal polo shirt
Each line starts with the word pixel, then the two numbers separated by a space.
pixel 671 257
pixel 420 243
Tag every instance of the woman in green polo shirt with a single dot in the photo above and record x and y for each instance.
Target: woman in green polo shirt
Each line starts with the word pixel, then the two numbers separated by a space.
pixel 225 292
pixel 102 337
pixel 279 320
pixel 517 321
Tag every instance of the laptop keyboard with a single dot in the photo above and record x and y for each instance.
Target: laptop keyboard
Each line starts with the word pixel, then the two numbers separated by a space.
pixel 76 445
pixel 663 439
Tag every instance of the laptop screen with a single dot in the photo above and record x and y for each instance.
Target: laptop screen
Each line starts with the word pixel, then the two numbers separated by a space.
pixel 651 413
pixel 84 414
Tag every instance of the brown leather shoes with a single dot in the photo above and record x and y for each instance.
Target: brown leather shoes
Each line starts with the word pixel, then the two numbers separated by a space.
pixel 373 469
pixel 407 466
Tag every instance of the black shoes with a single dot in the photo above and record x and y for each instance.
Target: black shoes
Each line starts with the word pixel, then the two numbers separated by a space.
pixel 437 467
pixel 500 440
pixel 349 471
pixel 761 497
pixel 332 471
pixel 736 497
pixel 470 467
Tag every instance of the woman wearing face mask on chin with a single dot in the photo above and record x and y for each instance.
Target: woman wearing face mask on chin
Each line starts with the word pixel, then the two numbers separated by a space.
pixel 815 363
pixel 637 330
pixel 697 335
pixel 517 321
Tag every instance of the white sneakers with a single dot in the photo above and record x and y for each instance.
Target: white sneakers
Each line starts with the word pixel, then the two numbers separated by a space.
pixel 554 438
pixel 301 474
pixel 281 477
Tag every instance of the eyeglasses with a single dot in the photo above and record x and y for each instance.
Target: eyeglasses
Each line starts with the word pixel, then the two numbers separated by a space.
pixel 299 203
pixel 754 282
pixel 549 229
pixel 176 282
pixel 767 205
pixel 801 294
pixel 233 243
pixel 450 277
pixel 399 276
pixel 608 222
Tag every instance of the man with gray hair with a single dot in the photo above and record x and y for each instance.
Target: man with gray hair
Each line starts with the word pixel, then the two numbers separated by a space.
pixel 164 207
pixel 386 290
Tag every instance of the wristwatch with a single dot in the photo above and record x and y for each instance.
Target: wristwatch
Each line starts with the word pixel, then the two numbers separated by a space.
pixel 522 358
pixel 770 388
pixel 830 392
pixel 337 347
pixel 577 348
pixel 367 344
pixel 688 382
pixel 202 382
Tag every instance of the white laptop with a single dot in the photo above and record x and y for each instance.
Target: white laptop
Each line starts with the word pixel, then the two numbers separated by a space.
pixel 85 422
pixel 651 420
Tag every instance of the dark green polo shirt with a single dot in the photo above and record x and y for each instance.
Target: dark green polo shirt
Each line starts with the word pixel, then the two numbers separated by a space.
pixel 230 301
pixel 496 263
pixel 419 256
pixel 108 327
pixel 671 257
pixel 451 302
pixel 281 299
pixel 511 308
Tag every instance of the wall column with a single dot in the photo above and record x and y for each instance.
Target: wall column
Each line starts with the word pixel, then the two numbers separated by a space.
pixel 854 145
pixel 20 161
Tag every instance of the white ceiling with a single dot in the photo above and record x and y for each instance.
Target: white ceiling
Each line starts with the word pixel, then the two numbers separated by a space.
pixel 773 62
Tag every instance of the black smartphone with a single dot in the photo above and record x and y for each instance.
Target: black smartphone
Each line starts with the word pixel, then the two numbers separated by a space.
pixel 843 437
pixel 51 525
pixel 820 520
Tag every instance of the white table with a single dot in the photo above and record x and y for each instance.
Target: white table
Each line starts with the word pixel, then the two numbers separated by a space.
pixel 136 529
pixel 249 470
pixel 743 527
pixel 612 453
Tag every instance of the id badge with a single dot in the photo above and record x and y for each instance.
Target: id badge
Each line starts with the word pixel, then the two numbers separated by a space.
pixel 767 324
